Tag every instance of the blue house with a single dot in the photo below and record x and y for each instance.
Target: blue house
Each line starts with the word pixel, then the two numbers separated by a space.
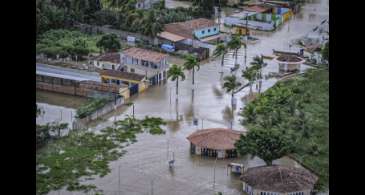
pixel 193 29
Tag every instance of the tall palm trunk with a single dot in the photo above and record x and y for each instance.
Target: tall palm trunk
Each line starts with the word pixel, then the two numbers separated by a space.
pixel 193 75
pixel 260 81
pixel 222 63
pixel 177 88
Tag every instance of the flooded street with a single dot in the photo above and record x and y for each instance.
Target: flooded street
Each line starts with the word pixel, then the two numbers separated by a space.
pixel 144 168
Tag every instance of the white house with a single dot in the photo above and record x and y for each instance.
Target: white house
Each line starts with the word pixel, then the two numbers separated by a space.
pixel 107 61
pixel 145 62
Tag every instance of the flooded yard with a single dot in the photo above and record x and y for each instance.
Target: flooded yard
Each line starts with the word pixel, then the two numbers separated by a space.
pixel 144 168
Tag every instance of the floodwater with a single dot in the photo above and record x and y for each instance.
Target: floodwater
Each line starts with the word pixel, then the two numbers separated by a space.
pixel 144 168
pixel 57 107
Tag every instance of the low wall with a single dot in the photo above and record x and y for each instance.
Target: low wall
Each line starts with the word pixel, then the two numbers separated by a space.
pixel 82 123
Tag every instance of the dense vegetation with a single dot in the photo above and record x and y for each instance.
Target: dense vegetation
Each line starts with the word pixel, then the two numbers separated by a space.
pixel 90 107
pixel 66 43
pixel 86 154
pixel 297 108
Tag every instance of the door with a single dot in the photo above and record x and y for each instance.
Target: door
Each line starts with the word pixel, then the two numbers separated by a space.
pixel 133 89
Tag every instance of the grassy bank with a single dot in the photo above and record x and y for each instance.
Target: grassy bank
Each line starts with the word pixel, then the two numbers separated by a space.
pixel 299 106
pixel 64 161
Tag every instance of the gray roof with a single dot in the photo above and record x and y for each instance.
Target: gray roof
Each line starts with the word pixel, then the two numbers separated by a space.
pixel 250 23
pixel 66 73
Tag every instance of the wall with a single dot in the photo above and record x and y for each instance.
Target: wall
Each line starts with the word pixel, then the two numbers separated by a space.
pixel 199 33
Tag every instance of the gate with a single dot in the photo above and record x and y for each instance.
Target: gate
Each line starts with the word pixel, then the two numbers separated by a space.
pixel 133 89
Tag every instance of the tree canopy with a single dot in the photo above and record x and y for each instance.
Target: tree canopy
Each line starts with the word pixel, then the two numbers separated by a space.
pixel 109 43
pixel 269 145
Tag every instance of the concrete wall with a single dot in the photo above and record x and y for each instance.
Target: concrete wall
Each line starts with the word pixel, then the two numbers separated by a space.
pixel 106 65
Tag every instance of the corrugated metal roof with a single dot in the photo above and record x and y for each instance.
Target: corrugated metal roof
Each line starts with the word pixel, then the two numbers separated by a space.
pixel 66 73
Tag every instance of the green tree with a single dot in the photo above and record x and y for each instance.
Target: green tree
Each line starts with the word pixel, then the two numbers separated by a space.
pixel 220 50
pixel 109 43
pixel 230 85
pixel 203 8
pixel 174 73
pixel 258 64
pixel 250 75
pixel 267 144
pixel 151 23
pixel 234 44
pixel 190 64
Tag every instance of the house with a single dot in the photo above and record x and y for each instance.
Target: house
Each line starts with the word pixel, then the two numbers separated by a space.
pixel 278 180
pixel 153 65
pixel 193 33
pixel 136 83
pixel 145 4
pixel 107 61
pixel 216 142
pixel 197 28
pixel 289 63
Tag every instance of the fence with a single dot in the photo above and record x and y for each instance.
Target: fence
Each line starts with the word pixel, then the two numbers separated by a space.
pixel 82 123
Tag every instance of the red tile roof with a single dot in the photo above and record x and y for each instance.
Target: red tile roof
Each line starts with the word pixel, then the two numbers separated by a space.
pixel 185 29
pixel 109 57
pixel 144 54
pixel 216 138
pixel 256 8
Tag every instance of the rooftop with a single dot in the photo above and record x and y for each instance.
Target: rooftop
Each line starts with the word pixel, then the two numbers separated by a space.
pixel 185 29
pixel 122 75
pixel 113 57
pixel 170 36
pixel 279 178
pixel 216 138
pixel 257 8
pixel 289 58
pixel 144 54
pixel 66 73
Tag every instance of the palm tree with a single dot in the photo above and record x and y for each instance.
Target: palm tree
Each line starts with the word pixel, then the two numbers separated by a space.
pixel 176 72
pixel 234 44
pixel 231 84
pixel 258 63
pixel 191 63
pixel 250 75
pixel 221 49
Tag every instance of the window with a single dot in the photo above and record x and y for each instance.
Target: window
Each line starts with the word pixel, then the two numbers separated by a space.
pixel 215 29
pixel 144 63
pixel 203 31
pixel 132 69
pixel 113 67
pixel 208 30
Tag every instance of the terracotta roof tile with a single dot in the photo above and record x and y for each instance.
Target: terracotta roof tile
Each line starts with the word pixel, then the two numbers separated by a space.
pixel 277 178
pixel 144 54
pixel 216 138
pixel 109 57
pixel 122 75
pixel 185 29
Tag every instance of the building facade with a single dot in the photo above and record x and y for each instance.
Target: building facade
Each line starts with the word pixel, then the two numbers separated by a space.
pixel 153 65
pixel 107 61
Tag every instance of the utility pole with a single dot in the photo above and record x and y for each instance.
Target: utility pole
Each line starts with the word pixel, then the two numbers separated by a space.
pixel 152 187
pixel 119 179
pixel 215 163
pixel 133 110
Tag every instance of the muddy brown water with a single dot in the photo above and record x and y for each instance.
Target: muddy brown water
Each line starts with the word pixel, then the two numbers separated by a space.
pixel 144 168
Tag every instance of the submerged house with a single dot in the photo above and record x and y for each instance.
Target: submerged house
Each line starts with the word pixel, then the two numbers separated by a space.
pixel 278 180
pixel 194 33
pixel 259 17
pixel 152 65
pixel 216 142
pixel 135 83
